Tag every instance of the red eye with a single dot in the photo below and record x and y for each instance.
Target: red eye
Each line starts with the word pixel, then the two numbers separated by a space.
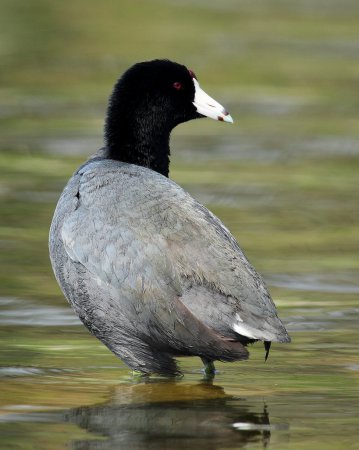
pixel 177 85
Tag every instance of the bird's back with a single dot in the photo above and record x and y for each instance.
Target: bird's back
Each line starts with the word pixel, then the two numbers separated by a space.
pixel 145 265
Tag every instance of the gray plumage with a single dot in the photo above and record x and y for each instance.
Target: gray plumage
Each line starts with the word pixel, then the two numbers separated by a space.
pixel 152 273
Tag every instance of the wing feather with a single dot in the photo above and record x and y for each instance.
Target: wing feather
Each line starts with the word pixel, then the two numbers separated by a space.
pixel 142 234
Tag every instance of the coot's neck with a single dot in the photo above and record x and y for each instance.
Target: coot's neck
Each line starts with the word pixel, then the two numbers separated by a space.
pixel 138 139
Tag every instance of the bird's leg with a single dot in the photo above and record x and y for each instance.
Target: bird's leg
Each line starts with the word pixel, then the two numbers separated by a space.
pixel 209 368
pixel 139 374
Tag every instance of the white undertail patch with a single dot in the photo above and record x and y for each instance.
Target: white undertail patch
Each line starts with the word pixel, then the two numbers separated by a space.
pixel 241 329
pixel 246 330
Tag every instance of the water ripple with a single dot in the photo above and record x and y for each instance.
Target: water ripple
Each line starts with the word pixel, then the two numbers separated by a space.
pixel 344 284
pixel 16 311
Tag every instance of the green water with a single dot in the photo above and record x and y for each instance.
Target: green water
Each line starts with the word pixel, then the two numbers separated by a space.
pixel 283 178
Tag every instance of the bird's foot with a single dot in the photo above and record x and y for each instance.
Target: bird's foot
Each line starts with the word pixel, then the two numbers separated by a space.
pixel 209 369
pixel 139 374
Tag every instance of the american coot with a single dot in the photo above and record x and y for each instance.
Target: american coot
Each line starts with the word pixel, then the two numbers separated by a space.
pixel 151 272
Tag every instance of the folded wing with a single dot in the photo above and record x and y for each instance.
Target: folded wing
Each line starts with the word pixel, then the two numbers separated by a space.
pixel 171 264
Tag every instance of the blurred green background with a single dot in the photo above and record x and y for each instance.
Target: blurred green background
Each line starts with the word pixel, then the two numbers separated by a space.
pixel 287 71
pixel 283 178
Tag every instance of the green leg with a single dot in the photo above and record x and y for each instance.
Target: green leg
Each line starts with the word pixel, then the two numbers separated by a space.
pixel 139 374
pixel 209 368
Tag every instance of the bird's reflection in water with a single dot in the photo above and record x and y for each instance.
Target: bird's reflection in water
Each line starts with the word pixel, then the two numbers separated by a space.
pixel 161 415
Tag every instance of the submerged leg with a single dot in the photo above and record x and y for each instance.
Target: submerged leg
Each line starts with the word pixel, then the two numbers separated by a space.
pixel 209 368
pixel 139 374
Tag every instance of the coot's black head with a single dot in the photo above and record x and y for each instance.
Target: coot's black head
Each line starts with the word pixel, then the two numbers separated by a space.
pixel 147 102
pixel 159 90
